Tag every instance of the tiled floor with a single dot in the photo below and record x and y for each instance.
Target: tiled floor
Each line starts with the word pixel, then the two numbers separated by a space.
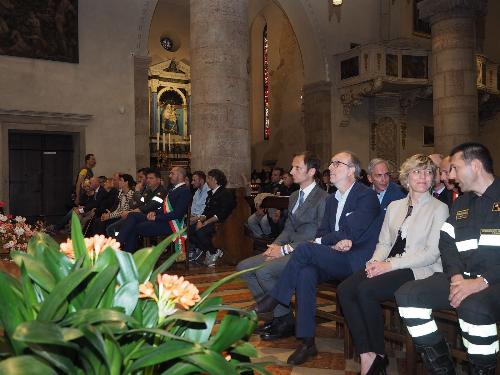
pixel 330 359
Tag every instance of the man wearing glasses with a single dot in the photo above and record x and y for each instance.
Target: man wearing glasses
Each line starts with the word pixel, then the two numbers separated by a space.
pixel 345 241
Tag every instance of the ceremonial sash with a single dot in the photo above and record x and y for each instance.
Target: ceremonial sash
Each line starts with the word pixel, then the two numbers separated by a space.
pixel 176 226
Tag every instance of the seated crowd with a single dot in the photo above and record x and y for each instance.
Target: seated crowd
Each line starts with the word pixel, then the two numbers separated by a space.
pixel 429 240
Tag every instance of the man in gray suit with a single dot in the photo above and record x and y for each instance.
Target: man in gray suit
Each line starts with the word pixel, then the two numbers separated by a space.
pixel 305 212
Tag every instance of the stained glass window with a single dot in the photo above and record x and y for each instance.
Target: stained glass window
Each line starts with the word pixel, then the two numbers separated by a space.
pixel 267 124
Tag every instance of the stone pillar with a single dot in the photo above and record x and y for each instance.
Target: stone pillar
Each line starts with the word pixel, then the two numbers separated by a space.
pixel 318 119
pixel 141 99
pixel 219 82
pixel 453 24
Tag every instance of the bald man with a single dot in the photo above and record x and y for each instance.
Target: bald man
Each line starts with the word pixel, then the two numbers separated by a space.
pixel 440 191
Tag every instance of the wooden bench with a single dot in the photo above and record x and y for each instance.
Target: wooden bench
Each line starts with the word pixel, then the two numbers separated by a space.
pixel 395 331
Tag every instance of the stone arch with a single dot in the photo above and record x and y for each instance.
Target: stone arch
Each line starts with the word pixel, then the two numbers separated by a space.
pixel 145 18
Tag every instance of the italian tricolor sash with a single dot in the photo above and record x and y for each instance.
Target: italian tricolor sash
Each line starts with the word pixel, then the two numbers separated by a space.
pixel 176 226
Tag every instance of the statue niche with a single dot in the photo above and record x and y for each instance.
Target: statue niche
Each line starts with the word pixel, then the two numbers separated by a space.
pixel 171 113
pixel 386 140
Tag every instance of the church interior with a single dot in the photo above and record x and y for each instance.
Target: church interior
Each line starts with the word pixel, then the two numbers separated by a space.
pixel 241 86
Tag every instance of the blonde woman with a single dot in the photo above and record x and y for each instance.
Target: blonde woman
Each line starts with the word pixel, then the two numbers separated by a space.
pixel 407 250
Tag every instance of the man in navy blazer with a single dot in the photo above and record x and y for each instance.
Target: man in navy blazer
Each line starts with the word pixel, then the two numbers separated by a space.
pixel 387 191
pixel 157 223
pixel 345 241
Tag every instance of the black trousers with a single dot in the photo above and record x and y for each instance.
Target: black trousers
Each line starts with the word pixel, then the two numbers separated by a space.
pixel 202 238
pixel 360 299
pixel 477 314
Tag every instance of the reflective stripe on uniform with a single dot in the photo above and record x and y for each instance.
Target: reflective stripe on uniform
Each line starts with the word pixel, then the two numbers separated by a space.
pixel 490 349
pixel 466 245
pixel 415 313
pixel 448 228
pixel 423 329
pixel 158 199
pixel 486 330
pixel 489 240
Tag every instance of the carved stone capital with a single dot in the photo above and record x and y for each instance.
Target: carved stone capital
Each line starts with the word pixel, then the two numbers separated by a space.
pixel 353 95
pixel 435 10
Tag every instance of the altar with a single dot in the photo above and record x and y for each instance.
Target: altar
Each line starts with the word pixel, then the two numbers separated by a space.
pixel 169 115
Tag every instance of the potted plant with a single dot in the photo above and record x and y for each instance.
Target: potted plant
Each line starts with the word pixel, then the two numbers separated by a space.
pixel 86 307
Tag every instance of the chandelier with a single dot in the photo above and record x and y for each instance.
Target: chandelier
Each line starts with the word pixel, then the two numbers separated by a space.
pixel 336 2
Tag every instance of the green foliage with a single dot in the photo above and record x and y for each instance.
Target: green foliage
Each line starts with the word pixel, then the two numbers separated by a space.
pixel 84 316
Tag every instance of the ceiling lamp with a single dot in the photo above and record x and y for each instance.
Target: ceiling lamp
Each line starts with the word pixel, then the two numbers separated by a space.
pixel 337 2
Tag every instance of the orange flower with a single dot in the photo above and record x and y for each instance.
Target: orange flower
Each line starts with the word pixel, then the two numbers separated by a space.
pixel 95 245
pixel 179 290
pixel 147 290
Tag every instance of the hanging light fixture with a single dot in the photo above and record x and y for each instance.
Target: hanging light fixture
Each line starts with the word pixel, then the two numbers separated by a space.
pixel 337 2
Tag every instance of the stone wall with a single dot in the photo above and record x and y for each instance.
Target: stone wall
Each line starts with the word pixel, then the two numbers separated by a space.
pixel 286 72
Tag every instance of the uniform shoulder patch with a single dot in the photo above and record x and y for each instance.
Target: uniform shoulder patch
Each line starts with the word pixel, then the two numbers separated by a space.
pixel 462 214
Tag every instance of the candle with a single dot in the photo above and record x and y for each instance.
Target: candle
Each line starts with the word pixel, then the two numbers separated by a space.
pixel 169 149
pixel 189 142
pixel 163 141
pixel 157 141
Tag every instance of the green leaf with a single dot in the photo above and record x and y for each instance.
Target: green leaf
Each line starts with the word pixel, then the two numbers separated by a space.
pixel 41 333
pixel 145 259
pixel 60 292
pixel 211 362
pixel 56 263
pixel 202 334
pixel 164 353
pixel 232 329
pixel 96 288
pixel 187 316
pixel 23 365
pixel 77 241
pixel 127 296
pixel 181 368
pixel 259 367
pixel 159 332
pixel 39 242
pixel 105 259
pixel 37 271
pixel 114 354
pixel 146 313
pixel 95 338
pixel 57 359
pixel 93 316
pixel 128 270
pixel 29 296
pixel 10 310
pixel 246 349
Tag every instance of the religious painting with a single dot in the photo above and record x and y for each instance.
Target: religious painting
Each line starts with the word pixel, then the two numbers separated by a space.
pixel 414 66
pixel 420 27
pixel 171 113
pixel 428 136
pixel 39 29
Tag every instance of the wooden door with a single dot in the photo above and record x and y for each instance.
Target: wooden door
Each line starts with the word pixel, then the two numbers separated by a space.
pixel 40 174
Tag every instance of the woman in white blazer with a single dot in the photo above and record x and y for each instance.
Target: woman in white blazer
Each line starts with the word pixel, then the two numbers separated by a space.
pixel 407 250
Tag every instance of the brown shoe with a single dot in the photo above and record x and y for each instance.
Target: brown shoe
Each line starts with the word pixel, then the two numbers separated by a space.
pixel 302 354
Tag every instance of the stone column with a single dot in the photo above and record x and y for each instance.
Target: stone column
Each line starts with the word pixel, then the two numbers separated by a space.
pixel 219 82
pixel 453 24
pixel 141 99
pixel 318 119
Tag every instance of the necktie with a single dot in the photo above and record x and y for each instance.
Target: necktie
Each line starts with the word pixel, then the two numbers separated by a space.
pixel 301 198
pixel 435 194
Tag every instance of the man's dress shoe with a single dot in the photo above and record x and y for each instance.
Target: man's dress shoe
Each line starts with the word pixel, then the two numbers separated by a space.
pixel 263 328
pixel 302 354
pixel 280 329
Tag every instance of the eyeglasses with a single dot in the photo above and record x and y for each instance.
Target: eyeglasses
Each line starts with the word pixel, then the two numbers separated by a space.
pixel 336 163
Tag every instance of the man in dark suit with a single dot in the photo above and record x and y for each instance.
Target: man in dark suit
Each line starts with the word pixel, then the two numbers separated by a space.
pixel 440 191
pixel 344 242
pixel 387 191
pixel 218 206
pixel 301 225
pixel 158 222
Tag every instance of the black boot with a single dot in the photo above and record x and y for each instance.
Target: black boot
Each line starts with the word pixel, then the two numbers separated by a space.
pixel 437 358
pixel 483 369
pixel 282 327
